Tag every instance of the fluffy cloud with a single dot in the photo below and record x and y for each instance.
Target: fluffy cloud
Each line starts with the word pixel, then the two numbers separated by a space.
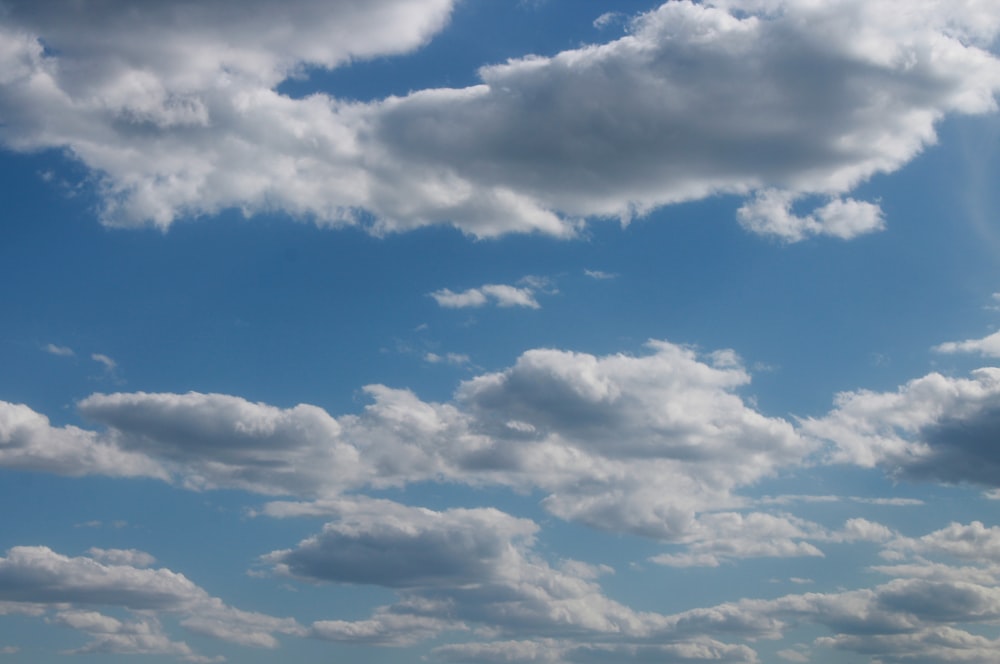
pixel 623 443
pixel 988 346
pixel 724 536
pixel 502 295
pixel 934 427
pixel 928 614
pixel 112 636
pixel 39 577
pixel 176 107
pixel 550 651
pixel 769 213
pixel 451 569
pixel 559 616
pixel 29 442
pixel 214 441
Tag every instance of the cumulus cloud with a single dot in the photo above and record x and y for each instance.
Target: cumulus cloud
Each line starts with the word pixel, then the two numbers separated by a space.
pixel 452 569
pixel 502 295
pixel 43 579
pixel 552 651
pixel 769 213
pixel 176 107
pixel 29 442
pixel 934 427
pixel 625 443
pixel 218 441
pixel 928 614
pixel 456 359
pixel 988 346
pixel 558 616
pixel 724 536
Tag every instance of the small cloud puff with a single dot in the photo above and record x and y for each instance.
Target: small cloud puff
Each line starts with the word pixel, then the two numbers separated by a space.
pixel 61 351
pixel 500 294
pixel 988 346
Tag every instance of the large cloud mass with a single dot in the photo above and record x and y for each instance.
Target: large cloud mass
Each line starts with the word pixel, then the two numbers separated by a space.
pixel 627 443
pixel 175 105
pixel 41 580
pixel 934 427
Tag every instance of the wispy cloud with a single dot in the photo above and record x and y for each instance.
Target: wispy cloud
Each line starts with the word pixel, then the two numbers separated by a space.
pixel 62 351
pixel 502 295
pixel 456 359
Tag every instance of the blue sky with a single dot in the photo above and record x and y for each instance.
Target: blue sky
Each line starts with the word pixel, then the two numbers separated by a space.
pixel 551 331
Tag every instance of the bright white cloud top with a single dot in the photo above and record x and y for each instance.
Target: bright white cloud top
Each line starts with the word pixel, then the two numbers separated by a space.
pixel 371 436
pixel 176 109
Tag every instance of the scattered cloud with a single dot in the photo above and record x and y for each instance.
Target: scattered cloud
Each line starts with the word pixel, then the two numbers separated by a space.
pixel 724 536
pixel 598 274
pixel 130 557
pixel 607 19
pixel 453 570
pixel 68 587
pixel 932 428
pixel 926 604
pixel 800 656
pixel 455 359
pixel 773 101
pixel 769 213
pixel 988 346
pixel 623 443
pixel 61 351
pixel 108 364
pixel 500 294
pixel 29 442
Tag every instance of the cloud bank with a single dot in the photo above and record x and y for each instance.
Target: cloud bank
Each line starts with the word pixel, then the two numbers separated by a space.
pixel 175 108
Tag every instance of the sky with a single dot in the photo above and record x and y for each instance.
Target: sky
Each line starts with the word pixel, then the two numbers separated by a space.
pixel 500 331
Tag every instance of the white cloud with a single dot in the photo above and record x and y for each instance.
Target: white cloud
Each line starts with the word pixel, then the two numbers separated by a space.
pixel 608 18
pixel 552 651
pixel 969 542
pixel 502 295
pixel 131 557
pixel 40 577
pixel 928 605
pixel 112 636
pixel 624 443
pixel 62 351
pixel 452 569
pixel 988 346
pixel 724 536
pixel 776 100
pixel 29 442
pixel 934 427
pixel 472 297
pixel 627 443
pixel 456 359
pixel 108 364
pixel 216 441
pixel 790 655
pixel 600 275
pixel 769 213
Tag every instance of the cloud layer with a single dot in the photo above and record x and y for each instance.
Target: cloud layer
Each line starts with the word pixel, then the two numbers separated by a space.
pixel 35 579
pixel 776 100
pixel 624 443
